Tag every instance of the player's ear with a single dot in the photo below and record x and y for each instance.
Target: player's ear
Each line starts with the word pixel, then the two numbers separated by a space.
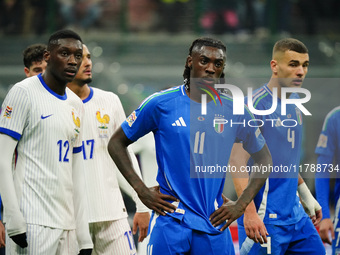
pixel 189 61
pixel 47 55
pixel 27 71
pixel 273 66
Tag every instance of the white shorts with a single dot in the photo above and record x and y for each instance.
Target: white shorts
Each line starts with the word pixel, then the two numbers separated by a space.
pixel 112 237
pixel 45 240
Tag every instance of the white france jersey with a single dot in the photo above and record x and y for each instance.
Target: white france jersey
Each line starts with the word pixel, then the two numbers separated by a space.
pixel 47 127
pixel 103 115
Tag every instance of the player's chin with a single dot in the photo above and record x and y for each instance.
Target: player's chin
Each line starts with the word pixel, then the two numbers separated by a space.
pixel 69 78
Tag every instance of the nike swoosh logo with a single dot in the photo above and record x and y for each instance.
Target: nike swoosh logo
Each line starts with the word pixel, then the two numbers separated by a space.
pixel 44 117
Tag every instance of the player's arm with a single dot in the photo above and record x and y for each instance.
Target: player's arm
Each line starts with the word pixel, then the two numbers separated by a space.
pixel 253 224
pixel 153 199
pixel 233 210
pixel 322 190
pixel 142 216
pixel 311 206
pixel 79 200
pixel 2 235
pixel 15 222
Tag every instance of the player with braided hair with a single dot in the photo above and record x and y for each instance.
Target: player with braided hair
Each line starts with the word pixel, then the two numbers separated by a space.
pixel 190 213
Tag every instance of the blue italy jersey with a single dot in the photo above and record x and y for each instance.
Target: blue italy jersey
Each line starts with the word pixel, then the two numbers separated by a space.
pixel 192 149
pixel 329 147
pixel 277 202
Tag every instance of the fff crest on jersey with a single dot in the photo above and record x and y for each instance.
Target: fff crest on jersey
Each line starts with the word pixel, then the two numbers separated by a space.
pixel 104 120
pixel 219 123
pixel 76 122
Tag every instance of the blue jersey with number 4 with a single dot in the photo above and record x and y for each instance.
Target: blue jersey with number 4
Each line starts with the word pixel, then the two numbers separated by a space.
pixel 277 202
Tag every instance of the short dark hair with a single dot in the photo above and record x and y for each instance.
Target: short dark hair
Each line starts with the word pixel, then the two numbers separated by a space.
pixel 33 53
pixel 290 44
pixel 198 43
pixel 61 34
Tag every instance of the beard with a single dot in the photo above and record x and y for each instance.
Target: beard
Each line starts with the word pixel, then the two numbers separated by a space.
pixel 86 81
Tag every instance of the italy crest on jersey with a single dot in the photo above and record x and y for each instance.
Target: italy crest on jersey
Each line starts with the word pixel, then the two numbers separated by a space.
pixel 219 124
pixel 298 115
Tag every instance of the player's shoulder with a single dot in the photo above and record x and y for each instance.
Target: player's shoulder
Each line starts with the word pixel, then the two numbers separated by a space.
pixel 261 97
pixel 163 96
pixel 27 83
pixel 334 113
pixel 26 87
pixel 333 116
pixel 104 96
pixel 99 91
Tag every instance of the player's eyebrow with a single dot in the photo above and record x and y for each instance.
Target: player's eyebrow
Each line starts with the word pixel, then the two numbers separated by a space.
pixel 298 62
pixel 217 59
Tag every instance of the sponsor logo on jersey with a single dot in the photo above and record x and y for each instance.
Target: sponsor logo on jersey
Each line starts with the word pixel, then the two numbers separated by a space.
pixel 8 112
pixel 46 116
pixel 179 123
pixel 131 119
pixel 201 118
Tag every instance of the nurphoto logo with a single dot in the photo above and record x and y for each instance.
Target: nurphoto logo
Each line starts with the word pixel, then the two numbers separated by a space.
pixel 238 100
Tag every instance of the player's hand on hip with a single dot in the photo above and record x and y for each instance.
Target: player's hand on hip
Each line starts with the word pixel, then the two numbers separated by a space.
pixel 141 221
pixel 156 201
pixel 255 228
pixel 326 226
pixel 20 239
pixel 229 212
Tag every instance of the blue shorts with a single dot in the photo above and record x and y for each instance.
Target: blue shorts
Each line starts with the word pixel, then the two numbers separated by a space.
pixel 301 238
pixel 169 236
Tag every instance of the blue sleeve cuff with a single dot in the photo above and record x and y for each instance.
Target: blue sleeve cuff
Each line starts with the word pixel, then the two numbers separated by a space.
pixel 11 133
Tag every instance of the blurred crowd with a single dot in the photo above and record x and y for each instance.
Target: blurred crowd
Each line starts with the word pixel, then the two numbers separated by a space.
pixel 257 17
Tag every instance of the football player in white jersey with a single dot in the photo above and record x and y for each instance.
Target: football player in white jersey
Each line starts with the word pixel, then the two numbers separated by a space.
pixel 109 227
pixel 42 174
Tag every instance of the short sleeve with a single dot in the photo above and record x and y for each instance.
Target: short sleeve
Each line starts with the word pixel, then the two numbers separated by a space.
pixel 142 121
pixel 249 133
pixel 14 112
pixel 327 141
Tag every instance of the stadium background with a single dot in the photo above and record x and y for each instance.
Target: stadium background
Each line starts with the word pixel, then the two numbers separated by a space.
pixel 140 46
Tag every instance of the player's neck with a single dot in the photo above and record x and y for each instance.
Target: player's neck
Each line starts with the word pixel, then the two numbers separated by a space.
pixel 55 85
pixel 81 91
pixel 195 94
pixel 273 83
